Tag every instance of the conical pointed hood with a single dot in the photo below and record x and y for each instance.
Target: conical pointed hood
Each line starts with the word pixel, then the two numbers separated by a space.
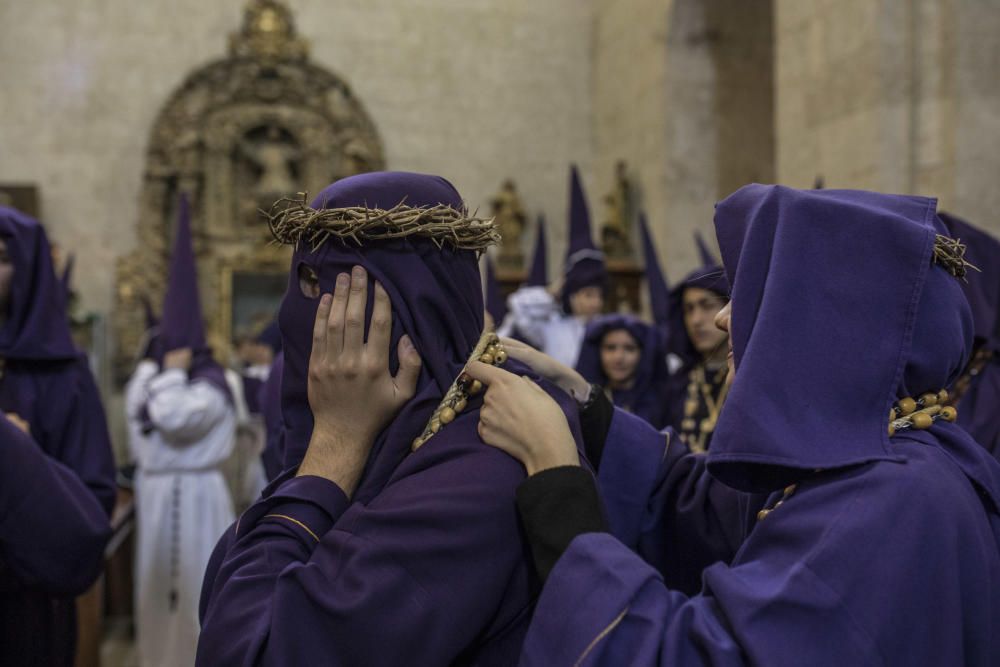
pixel 152 344
pixel 659 292
pixel 148 315
pixel 584 262
pixel 539 274
pixel 707 256
pixel 580 241
pixel 182 324
pixel 67 277
pixel 496 306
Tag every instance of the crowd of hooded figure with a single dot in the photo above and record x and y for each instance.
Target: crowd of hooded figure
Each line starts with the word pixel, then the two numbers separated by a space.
pixel 795 461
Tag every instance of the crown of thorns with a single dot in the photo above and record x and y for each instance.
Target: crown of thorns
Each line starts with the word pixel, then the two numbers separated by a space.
pixel 293 221
pixel 949 254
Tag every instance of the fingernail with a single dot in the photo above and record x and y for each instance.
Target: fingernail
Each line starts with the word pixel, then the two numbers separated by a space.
pixel 358 272
pixel 407 343
pixel 343 279
pixel 326 299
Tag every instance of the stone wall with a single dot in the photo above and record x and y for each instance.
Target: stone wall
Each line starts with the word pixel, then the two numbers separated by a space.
pixel 683 92
pixel 892 96
pixel 477 91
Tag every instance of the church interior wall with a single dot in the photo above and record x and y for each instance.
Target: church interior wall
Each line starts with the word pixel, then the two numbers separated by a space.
pixel 891 96
pixel 477 91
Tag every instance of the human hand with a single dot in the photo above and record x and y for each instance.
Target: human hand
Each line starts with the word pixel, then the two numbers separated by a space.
pixel 351 393
pixel 179 358
pixel 554 371
pixel 555 288
pixel 16 420
pixel 521 419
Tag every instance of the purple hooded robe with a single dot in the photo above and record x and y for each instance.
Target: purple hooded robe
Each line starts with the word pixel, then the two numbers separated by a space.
pixel 888 549
pixel 427 563
pixel 645 397
pixel 47 382
pixel 677 391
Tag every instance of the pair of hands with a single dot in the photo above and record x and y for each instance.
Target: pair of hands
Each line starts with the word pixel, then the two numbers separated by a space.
pixel 179 358
pixel 353 396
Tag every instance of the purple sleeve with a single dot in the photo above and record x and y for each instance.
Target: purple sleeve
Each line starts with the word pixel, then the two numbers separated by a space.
pixel 840 574
pixel 663 503
pixel 421 570
pixel 52 528
pixel 603 606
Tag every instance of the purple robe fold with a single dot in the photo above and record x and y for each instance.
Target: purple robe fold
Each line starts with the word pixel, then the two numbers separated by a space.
pixel 48 383
pixel 430 548
pixel 496 305
pixel 52 536
pixel 977 408
pixel 269 400
pixel 861 562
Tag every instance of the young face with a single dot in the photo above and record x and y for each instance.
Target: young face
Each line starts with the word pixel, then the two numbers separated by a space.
pixel 620 354
pixel 722 321
pixel 6 276
pixel 700 308
pixel 587 302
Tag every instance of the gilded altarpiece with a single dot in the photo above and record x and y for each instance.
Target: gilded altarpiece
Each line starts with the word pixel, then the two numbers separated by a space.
pixel 239 133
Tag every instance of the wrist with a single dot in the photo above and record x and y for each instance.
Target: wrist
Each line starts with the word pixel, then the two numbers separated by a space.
pixel 565 455
pixel 581 391
pixel 337 457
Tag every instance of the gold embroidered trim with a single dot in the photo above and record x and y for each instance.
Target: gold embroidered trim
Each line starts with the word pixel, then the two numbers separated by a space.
pixel 295 521
pixel 293 221
pixel 604 633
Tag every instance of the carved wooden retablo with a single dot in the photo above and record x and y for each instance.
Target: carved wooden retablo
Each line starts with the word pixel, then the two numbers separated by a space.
pixel 240 133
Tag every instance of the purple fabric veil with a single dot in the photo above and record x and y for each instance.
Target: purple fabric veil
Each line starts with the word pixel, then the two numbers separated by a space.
pixel 271 336
pixel 538 276
pixel 584 262
pixel 496 305
pixel 827 288
pixel 656 280
pixel 36 326
pixel 182 324
pixel 436 299
pixel 645 398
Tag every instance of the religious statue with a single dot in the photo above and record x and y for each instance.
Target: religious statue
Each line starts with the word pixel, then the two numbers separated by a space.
pixel 511 219
pixel 616 229
pixel 273 156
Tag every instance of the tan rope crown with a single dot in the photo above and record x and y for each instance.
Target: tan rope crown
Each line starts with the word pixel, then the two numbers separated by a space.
pixel 293 221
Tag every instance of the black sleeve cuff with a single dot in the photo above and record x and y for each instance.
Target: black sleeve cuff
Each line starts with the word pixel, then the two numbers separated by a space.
pixel 595 422
pixel 556 505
